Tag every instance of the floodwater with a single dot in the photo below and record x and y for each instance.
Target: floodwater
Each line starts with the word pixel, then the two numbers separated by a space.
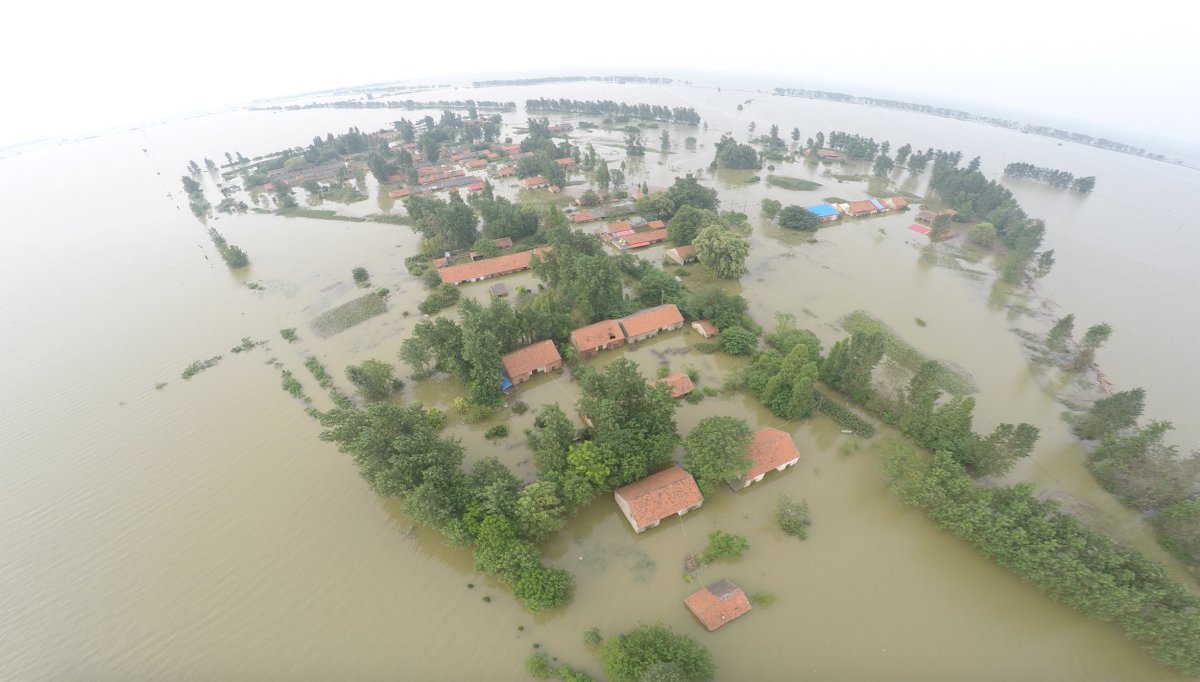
pixel 202 531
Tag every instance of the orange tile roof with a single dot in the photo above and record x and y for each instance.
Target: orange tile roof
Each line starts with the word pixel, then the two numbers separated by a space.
pixel 535 356
pixel 864 206
pixel 595 335
pixel 620 226
pixel 705 328
pixel 490 267
pixel 566 161
pixel 533 182
pixel 656 224
pixel 718 604
pixel 771 449
pixel 660 495
pixel 649 237
pixel 651 319
pixel 899 203
pixel 680 383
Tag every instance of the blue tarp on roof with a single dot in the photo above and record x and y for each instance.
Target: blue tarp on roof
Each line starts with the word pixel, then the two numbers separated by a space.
pixel 505 382
pixel 878 205
pixel 822 210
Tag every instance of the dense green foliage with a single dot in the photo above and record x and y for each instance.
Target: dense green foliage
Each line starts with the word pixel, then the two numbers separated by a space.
pixel 1111 414
pixel 633 423
pixel 850 363
pixel 1143 471
pixel 722 250
pixel 449 225
pixel 771 208
pixel 1050 176
pixel 655 652
pixel 723 309
pixel 798 218
pixel 1073 564
pixel 609 108
pixel 736 340
pixel 732 154
pixel 233 256
pixel 687 191
pixel 844 416
pixel 443 296
pixel 784 376
pixel 716 451
pixel 374 379
pixel 687 222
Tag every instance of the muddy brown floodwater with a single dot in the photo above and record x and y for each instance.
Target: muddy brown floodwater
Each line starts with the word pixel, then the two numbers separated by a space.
pixel 202 531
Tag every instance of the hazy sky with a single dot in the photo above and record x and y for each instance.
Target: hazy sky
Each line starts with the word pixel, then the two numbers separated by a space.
pixel 72 69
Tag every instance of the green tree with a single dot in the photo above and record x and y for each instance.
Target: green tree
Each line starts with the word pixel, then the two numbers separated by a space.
pixel 1111 414
pixel 737 340
pixel 687 191
pixel 771 208
pixel 481 353
pixel 594 285
pixel 796 135
pixel 998 453
pixel 542 588
pixel 374 379
pixel 664 141
pixel 793 517
pixel 724 309
pixel 1142 470
pixel 919 399
pixel 539 511
pixel 883 166
pixel 1061 332
pixel 716 451
pixel 1179 527
pixel 658 287
pixel 983 234
pixel 722 251
pixel 687 222
pixel 603 177
pixel 633 423
pixel 851 362
pixel 798 218
pixel 656 206
pixel 655 648
pixel 1093 339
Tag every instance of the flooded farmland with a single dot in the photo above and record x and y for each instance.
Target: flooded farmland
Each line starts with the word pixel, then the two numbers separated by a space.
pixel 200 530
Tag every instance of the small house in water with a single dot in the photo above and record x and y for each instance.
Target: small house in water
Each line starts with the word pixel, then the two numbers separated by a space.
pixel 596 337
pixel 682 254
pixel 825 213
pixel 535 183
pixel 771 449
pixel 671 492
pixel 679 383
pixel 498 290
pixel 718 604
pixel 521 364
pixel 857 209
pixel 707 329
pixel 649 322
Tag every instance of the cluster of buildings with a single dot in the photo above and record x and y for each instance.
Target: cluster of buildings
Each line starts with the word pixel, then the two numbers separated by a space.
pixel 634 233
pixel 587 215
pixel 827 213
pixel 498 162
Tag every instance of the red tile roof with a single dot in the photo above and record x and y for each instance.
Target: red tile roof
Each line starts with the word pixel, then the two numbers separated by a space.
pixel 680 383
pixel 771 449
pixel 536 356
pixel 660 495
pixel 564 162
pixel 864 206
pixel 717 604
pixel 899 203
pixel 656 224
pixel 534 182
pixel 644 238
pixel 490 267
pixel 595 335
pixel 651 319
pixel 581 217
pixel 613 228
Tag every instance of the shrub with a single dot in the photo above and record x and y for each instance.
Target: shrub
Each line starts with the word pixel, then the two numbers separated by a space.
pixel 361 276
pixel 592 637
pixel 793 517
pixel 289 335
pixel 722 544
pixel 538 666
pixel 431 278
pixel 737 341
pixel 497 431
pixel 520 407
pixel 444 296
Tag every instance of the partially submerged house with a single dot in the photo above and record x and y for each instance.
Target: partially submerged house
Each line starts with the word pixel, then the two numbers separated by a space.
pixel 705 328
pixel 596 337
pixel 897 203
pixel 865 207
pixel 498 290
pixel 770 449
pixel 679 383
pixel 825 213
pixel 649 322
pixel 535 183
pixel 521 364
pixel 636 240
pixel 718 604
pixel 490 267
pixel 671 492
pixel 681 254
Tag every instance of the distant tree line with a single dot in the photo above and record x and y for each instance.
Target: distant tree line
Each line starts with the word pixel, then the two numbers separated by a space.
pixel 572 79
pixel 396 104
pixel 649 112
pixel 1050 176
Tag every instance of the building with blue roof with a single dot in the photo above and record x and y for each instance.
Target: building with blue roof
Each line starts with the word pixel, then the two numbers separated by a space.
pixel 824 212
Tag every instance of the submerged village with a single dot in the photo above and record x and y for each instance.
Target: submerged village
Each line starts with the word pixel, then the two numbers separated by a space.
pixel 535 262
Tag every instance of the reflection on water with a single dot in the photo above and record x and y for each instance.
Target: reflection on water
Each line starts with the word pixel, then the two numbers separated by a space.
pixel 203 531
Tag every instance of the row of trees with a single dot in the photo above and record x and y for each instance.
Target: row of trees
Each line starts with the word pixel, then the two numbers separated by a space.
pixel 1050 176
pixel 650 112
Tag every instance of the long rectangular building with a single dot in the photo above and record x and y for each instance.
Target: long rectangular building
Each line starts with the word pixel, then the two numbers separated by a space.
pixel 490 267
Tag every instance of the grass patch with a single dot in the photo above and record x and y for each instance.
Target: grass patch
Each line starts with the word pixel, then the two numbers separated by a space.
pixel 842 177
pixel 835 200
pixel 763 598
pixel 497 431
pixel 845 417
pixel 795 184
pixel 293 386
pixel 348 314
pixel 343 195
pixel 199 366
pixel 289 335
pixel 318 213
pixel 388 218
pixel 953 381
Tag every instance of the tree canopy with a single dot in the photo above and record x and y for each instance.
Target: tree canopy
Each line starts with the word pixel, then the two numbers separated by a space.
pixel 716 451
pixel 656 652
